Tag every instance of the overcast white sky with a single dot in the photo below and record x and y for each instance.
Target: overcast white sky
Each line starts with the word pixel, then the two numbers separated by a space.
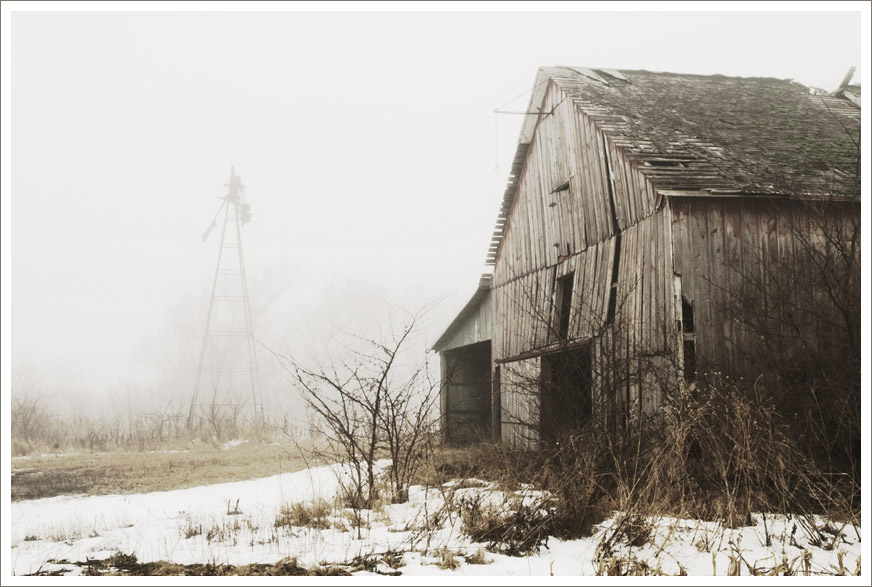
pixel 367 141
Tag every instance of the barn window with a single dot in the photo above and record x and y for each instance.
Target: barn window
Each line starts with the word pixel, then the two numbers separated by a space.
pixel 689 339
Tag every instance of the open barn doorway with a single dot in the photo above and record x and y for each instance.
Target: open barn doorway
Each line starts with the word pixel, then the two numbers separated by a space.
pixel 466 400
pixel 566 392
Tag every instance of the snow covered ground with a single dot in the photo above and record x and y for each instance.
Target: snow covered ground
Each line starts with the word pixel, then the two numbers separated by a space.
pixel 235 523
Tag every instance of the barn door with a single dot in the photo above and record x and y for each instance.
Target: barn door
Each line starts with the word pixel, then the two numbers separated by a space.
pixel 566 392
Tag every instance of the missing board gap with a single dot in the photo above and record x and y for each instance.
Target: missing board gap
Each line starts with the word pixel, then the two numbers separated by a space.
pixel 564 187
pixel 564 299
pixel 686 314
pixel 662 163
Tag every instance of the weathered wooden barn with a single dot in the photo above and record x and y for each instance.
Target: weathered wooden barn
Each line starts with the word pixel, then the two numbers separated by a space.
pixel 647 219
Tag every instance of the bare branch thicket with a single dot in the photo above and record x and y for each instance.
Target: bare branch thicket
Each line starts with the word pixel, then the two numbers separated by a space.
pixel 222 414
pixel 371 406
pixel 798 328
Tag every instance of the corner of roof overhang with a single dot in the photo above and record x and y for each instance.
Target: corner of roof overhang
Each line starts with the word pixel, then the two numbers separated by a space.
pixel 528 129
pixel 540 86
pixel 484 286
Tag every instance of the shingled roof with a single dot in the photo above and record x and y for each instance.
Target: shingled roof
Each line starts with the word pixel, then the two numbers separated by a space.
pixel 711 134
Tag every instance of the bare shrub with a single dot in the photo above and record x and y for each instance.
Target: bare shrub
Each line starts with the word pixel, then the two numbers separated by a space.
pixel 514 527
pixel 630 565
pixel 733 453
pixel 369 406
pixel 34 427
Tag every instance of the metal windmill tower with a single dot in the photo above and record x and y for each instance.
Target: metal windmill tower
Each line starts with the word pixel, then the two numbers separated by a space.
pixel 228 357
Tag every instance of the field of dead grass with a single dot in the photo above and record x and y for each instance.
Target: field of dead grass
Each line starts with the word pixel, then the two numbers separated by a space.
pixel 139 472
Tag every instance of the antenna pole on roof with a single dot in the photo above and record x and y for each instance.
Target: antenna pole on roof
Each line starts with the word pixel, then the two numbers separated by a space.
pixel 844 85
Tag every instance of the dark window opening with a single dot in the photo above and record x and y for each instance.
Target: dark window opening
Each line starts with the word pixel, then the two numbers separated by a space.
pixel 496 407
pixel 564 300
pixel 689 339
pixel 664 163
pixel 689 360
pixel 566 393
pixel 613 290
pixel 686 315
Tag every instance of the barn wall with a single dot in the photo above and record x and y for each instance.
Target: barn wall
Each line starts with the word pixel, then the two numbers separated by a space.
pixel 563 197
pixel 644 305
pixel 522 314
pixel 582 208
pixel 741 258
pixel 576 187
pixel 643 341
pixel 524 308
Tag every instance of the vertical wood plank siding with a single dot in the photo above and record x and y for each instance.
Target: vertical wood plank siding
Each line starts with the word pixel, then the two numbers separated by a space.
pixel 568 146
pixel 520 402
pixel 732 250
pixel 554 231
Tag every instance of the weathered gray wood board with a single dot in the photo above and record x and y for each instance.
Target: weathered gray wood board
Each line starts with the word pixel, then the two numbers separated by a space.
pixel 519 381
pixel 573 192
pixel 742 258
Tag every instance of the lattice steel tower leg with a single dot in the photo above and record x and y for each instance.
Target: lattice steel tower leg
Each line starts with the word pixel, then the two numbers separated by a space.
pixel 229 317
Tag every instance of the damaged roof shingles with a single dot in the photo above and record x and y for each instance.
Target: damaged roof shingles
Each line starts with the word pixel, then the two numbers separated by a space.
pixel 748 135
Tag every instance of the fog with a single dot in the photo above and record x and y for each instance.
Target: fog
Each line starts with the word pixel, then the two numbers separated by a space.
pixel 367 141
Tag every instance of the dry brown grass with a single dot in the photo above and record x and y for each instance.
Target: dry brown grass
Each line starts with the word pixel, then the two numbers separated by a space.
pixel 137 472
pixel 478 558
pixel 309 514
pixel 446 559
pixel 719 451
pixel 121 564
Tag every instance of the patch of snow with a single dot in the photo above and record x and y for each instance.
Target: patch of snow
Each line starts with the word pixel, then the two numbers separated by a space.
pixel 233 443
pixel 236 523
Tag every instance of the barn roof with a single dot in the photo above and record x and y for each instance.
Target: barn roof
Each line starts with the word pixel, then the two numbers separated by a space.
pixel 711 135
